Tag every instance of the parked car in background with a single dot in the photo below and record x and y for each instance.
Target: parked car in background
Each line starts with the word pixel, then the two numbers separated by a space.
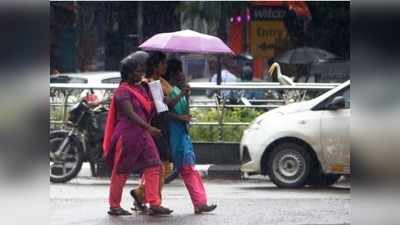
pixel 108 77
pixel 301 143
pixel 87 77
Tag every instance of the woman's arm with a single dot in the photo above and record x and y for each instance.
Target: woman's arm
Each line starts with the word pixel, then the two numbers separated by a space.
pixel 182 118
pixel 128 109
pixel 171 102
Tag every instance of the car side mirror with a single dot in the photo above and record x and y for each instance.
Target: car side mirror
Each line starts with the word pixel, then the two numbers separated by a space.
pixel 337 103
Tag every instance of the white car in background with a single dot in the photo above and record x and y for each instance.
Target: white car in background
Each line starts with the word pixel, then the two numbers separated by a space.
pixel 110 77
pixel 106 77
pixel 301 143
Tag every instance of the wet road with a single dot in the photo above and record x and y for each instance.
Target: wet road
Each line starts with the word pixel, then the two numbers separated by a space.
pixel 252 201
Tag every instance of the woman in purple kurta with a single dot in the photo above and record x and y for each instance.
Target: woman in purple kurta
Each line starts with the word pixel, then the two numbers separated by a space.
pixel 128 144
pixel 139 149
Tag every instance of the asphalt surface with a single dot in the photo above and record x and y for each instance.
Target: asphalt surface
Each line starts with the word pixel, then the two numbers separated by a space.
pixel 83 201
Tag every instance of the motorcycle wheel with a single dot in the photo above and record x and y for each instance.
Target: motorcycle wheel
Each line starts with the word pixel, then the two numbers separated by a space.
pixel 68 165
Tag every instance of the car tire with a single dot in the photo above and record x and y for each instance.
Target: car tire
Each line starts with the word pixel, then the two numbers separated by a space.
pixel 289 165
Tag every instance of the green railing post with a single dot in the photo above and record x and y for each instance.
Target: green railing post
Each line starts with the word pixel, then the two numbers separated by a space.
pixel 221 110
pixel 65 107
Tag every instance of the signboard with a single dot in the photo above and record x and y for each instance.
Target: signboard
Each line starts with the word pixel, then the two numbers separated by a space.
pixel 268 12
pixel 267 30
pixel 264 37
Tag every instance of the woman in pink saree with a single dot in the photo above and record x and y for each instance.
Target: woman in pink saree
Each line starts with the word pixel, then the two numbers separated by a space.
pixel 128 144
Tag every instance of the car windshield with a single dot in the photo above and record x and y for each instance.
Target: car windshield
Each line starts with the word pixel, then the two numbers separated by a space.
pixel 330 92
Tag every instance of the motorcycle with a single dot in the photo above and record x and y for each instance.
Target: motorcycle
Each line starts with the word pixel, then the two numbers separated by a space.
pixel 80 141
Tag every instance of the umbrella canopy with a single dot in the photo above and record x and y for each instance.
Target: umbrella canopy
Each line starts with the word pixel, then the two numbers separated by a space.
pixel 186 41
pixel 305 55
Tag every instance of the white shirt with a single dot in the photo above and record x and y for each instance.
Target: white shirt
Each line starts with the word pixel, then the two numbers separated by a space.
pixel 226 77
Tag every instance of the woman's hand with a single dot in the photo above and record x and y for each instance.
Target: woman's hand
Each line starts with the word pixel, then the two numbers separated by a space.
pixel 185 90
pixel 171 102
pixel 186 118
pixel 155 132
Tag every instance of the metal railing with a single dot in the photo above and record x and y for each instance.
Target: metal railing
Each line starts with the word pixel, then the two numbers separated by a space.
pixel 213 86
pixel 60 96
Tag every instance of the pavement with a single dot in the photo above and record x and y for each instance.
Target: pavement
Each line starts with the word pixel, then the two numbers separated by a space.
pixel 254 200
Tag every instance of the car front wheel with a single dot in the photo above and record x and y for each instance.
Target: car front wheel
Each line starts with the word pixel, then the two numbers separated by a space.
pixel 289 165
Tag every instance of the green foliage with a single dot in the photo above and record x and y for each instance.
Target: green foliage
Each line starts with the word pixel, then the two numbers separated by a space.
pixel 215 13
pixel 330 27
pixel 241 114
pixel 56 113
pixel 201 132
pixel 204 133
pixel 211 11
pixel 211 133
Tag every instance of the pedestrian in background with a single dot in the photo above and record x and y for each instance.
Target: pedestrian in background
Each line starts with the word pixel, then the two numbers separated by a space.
pixel 247 72
pixel 128 144
pixel 91 98
pixel 227 76
pixel 181 144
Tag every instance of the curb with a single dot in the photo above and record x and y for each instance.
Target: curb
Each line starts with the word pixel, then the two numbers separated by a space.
pixel 207 171
pixel 224 171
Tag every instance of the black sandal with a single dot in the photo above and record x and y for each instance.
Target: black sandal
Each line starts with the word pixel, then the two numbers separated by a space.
pixel 205 208
pixel 137 204
pixel 159 210
pixel 118 212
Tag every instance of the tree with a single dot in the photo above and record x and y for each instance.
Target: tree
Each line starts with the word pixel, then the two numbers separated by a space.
pixel 330 27
pixel 214 13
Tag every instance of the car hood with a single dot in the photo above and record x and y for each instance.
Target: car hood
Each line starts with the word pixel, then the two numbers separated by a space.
pixel 284 110
pixel 293 108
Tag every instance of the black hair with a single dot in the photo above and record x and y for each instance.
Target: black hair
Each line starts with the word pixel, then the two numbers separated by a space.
pixel 153 61
pixel 130 63
pixel 174 65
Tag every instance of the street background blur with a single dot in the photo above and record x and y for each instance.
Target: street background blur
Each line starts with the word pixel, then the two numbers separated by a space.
pixel 95 36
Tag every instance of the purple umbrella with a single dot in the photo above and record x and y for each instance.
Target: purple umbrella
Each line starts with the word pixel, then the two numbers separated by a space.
pixel 186 41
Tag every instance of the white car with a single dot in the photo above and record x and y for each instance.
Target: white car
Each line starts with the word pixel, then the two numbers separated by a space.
pixel 301 143
pixel 106 77
pixel 87 77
